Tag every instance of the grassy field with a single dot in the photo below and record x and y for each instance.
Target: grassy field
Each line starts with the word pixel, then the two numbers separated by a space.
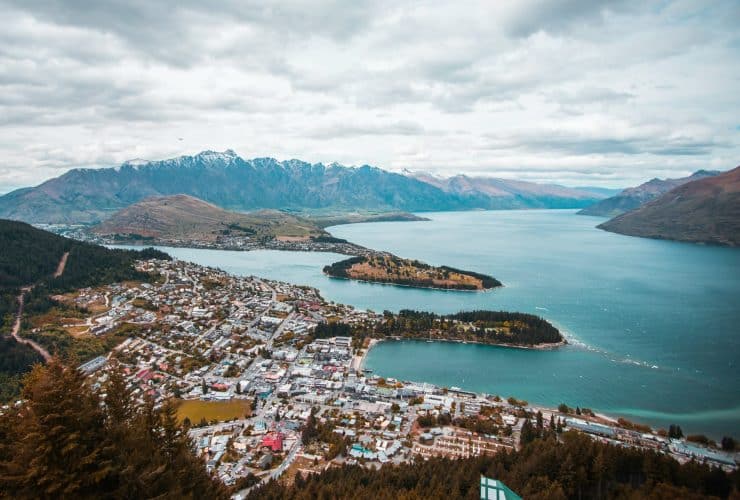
pixel 195 410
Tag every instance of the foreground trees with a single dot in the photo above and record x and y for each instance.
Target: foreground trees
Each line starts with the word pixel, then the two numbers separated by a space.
pixel 66 441
pixel 546 468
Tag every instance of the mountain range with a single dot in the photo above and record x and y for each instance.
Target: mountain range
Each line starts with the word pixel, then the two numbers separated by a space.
pixel 493 193
pixel 706 210
pixel 632 198
pixel 233 183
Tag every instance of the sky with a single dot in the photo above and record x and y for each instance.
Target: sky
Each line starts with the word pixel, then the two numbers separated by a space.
pixel 577 92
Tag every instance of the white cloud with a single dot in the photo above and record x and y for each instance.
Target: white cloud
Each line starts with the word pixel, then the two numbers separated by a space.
pixel 571 91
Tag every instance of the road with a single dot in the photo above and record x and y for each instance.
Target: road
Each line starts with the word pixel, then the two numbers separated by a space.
pixel 16 331
pixel 17 328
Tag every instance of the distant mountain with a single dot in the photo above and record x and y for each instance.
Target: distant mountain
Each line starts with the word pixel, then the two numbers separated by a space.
pixel 599 191
pixel 185 217
pixel 631 198
pixel 705 210
pixel 494 193
pixel 230 182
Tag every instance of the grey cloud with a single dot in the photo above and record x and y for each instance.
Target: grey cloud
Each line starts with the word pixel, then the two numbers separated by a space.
pixel 167 31
pixel 579 144
pixel 90 80
pixel 557 15
pixel 354 129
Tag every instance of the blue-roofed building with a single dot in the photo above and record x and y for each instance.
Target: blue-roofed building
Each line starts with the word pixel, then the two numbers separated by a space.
pixel 493 489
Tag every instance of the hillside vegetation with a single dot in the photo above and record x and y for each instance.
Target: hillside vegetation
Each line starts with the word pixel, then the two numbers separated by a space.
pixel 30 256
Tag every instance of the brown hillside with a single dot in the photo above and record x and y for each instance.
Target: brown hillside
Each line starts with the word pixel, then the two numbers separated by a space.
pixel 185 217
pixel 702 211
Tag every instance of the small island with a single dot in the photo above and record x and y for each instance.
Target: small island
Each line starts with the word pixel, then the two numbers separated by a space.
pixel 511 329
pixel 387 268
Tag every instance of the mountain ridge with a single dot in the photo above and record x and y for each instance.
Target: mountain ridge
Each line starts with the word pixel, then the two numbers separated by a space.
pixel 233 183
pixel 633 197
pixel 706 210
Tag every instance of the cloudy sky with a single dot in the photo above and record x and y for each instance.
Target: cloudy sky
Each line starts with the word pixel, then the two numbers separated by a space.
pixel 580 92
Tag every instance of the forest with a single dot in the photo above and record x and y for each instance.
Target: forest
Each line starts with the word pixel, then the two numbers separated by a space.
pixel 575 467
pixel 488 327
pixel 68 441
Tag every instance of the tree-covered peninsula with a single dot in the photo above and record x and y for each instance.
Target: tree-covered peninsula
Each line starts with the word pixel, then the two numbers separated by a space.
pixel 485 327
pixel 387 268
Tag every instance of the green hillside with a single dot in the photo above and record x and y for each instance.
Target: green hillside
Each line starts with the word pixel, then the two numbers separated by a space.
pixel 31 256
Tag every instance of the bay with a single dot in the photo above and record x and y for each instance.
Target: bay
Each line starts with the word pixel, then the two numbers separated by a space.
pixel 653 326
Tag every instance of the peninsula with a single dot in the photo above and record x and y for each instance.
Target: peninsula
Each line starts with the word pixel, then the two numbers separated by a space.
pixel 504 328
pixel 390 269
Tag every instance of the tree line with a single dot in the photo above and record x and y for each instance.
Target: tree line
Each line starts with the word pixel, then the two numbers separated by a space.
pixel 488 327
pixel 574 466
pixel 480 326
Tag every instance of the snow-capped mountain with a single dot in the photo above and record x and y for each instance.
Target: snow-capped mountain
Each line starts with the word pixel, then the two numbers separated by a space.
pixel 231 182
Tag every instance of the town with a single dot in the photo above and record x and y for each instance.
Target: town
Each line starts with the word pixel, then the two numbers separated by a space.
pixel 265 396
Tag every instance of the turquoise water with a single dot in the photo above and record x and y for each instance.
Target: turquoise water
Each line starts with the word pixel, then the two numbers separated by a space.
pixel 654 325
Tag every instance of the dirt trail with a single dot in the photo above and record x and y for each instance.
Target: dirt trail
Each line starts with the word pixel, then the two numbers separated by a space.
pixel 62 264
pixel 17 328
pixel 16 331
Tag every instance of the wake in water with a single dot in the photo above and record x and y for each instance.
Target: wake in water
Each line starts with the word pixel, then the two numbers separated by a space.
pixel 613 357
pixel 698 416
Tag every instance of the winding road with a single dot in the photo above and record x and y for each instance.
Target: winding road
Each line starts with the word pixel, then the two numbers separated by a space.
pixel 15 332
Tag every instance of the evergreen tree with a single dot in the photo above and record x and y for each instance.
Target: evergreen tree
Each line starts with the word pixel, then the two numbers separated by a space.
pixel 65 441
pixel 64 449
pixel 675 432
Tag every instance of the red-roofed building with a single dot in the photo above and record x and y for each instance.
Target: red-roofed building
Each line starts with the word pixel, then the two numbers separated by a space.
pixel 273 440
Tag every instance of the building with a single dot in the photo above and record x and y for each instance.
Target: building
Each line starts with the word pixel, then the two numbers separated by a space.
pixel 274 441
pixel 492 489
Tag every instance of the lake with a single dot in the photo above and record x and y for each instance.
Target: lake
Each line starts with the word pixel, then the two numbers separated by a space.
pixel 653 326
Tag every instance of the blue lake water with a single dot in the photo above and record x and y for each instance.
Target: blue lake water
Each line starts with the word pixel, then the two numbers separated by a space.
pixel 654 325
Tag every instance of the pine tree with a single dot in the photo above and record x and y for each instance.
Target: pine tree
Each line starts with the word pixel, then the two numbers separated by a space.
pixel 65 441
pixel 65 450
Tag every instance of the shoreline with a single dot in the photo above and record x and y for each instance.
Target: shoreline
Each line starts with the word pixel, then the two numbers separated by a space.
pixel 285 247
pixel 366 351
pixel 533 347
pixel 390 283
pixel 599 416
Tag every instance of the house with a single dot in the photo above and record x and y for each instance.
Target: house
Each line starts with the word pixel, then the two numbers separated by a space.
pixel 274 441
